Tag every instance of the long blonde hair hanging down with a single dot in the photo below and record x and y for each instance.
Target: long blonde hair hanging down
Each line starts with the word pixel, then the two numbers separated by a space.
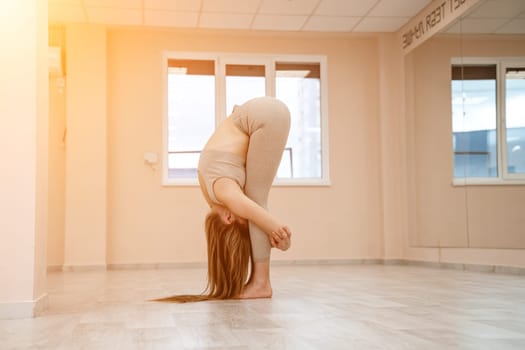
pixel 229 256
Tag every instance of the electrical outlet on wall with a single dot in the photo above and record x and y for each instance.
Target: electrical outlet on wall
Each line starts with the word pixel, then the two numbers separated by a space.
pixel 151 158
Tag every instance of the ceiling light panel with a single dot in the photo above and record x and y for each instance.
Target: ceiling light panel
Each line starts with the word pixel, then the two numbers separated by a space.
pixel 114 16
pixel 398 8
pixel 128 4
pixel 331 24
pixel 225 20
pixel 175 5
pixel 65 2
pixel 288 7
pixel 170 19
pixel 232 6
pixel 481 25
pixel 269 22
pixel 499 9
pixel 344 7
pixel 381 24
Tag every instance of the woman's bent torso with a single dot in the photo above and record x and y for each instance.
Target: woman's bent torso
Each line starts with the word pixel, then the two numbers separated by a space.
pixel 228 138
pixel 224 155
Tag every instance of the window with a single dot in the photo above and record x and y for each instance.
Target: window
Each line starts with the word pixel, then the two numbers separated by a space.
pixel 515 119
pixel 244 82
pixel 474 121
pixel 488 121
pixel 201 90
pixel 191 94
pixel 299 86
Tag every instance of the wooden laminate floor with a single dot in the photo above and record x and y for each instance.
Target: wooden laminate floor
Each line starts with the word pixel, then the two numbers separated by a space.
pixel 314 307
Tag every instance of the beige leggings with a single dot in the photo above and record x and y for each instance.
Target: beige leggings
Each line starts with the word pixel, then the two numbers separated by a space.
pixel 267 121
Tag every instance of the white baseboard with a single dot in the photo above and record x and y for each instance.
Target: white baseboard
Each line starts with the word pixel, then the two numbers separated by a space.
pixel 365 261
pixel 157 266
pixel 507 270
pixel 84 268
pixel 327 262
pixel 23 309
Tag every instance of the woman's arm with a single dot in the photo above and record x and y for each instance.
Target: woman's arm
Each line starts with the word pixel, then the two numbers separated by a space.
pixel 228 192
pixel 204 190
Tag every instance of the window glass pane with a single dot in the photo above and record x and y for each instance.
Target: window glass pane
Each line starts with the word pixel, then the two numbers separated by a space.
pixel 299 86
pixel 474 121
pixel 191 114
pixel 243 82
pixel 515 119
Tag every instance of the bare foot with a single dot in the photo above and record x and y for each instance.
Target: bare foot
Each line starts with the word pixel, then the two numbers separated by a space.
pixel 254 290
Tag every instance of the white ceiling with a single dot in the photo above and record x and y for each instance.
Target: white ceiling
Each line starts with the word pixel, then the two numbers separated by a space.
pixel 492 16
pixel 281 15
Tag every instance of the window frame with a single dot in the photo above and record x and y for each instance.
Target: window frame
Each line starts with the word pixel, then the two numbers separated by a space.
pixel 269 61
pixel 503 178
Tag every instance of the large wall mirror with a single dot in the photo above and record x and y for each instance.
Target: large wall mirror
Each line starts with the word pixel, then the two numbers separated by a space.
pixel 465 129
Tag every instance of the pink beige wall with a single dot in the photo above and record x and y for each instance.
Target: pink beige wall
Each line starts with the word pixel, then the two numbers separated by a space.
pixel 438 208
pixel 57 172
pixel 150 223
pixel 86 147
pixel 23 140
pixel 147 223
pixel 472 224
pixel 392 140
pixel 378 206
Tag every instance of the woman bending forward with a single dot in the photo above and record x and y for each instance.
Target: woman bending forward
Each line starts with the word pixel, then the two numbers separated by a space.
pixel 236 170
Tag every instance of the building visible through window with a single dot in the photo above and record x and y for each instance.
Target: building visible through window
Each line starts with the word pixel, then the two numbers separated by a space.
pixel 488 119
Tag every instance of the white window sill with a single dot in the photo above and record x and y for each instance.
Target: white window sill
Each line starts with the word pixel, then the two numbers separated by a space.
pixel 277 183
pixel 302 182
pixel 487 182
